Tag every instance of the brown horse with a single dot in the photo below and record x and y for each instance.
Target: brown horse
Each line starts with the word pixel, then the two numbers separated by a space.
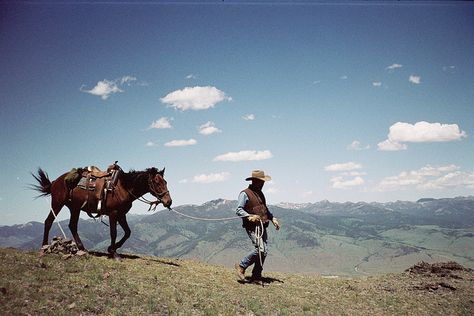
pixel 130 186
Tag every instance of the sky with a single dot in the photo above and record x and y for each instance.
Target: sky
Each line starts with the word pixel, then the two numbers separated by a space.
pixel 339 101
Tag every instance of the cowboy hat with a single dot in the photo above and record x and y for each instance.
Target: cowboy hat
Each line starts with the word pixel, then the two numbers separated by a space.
pixel 260 175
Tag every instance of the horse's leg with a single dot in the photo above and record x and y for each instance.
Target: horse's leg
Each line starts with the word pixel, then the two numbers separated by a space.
pixel 73 227
pixel 113 234
pixel 47 227
pixel 122 219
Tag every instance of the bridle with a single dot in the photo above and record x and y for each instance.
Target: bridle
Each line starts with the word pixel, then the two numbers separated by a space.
pixel 151 186
pixel 159 195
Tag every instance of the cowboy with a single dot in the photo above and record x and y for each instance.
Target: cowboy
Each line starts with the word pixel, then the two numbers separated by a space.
pixel 255 215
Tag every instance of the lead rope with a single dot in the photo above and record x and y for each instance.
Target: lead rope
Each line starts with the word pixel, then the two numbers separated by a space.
pixel 259 230
pixel 56 218
pixel 206 219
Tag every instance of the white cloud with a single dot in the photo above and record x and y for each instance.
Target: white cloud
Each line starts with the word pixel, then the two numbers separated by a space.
pixel 376 84
pixel 346 170
pixel 354 173
pixel 428 178
pixel 127 80
pixel 356 145
pixel 420 132
pixel 414 79
pixel 450 69
pixel 343 77
pixel 212 177
pixel 249 117
pixel 161 123
pixel 394 66
pixel 244 155
pixel 338 167
pixel 151 144
pixel 181 143
pixel 341 183
pixel 195 98
pixel 208 129
pixel 104 89
pixel 190 76
pixel 388 145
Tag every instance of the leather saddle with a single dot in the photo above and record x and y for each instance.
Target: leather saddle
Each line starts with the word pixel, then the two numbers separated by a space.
pixel 98 183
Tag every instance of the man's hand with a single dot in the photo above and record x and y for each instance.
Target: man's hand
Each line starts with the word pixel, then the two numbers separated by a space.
pixel 275 223
pixel 253 218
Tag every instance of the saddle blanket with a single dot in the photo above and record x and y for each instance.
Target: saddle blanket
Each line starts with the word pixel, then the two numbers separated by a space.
pixel 83 184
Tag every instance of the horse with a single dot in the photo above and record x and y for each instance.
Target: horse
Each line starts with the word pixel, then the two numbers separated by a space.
pixel 129 187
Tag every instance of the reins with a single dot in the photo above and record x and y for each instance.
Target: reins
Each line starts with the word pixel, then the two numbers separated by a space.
pixel 153 204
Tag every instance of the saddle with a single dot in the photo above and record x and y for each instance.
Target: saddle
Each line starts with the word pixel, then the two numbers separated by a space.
pixel 98 185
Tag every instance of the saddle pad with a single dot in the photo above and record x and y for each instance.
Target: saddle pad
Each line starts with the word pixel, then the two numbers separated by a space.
pixel 83 184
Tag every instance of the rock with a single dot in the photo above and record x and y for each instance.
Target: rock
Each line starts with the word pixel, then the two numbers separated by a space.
pixel 441 269
pixel 61 246
pixel 81 253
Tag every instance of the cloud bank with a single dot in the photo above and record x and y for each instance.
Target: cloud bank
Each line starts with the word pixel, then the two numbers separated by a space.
pixel 428 178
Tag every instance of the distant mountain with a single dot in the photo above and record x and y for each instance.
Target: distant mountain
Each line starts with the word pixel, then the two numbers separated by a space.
pixel 325 237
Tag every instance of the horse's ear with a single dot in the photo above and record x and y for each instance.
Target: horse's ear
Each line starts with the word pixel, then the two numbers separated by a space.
pixel 162 172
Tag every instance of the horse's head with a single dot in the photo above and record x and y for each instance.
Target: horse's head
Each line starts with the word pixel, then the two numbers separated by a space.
pixel 158 186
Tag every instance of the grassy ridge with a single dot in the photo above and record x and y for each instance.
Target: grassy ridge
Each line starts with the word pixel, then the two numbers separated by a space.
pixel 93 285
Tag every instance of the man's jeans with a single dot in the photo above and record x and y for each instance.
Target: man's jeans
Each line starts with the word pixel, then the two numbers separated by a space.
pixel 253 257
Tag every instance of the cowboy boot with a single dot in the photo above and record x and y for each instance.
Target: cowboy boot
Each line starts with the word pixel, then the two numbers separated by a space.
pixel 240 272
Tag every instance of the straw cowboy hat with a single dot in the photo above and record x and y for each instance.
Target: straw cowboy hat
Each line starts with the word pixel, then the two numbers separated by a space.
pixel 260 175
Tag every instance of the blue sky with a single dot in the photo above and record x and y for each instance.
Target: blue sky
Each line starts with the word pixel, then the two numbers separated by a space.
pixel 366 101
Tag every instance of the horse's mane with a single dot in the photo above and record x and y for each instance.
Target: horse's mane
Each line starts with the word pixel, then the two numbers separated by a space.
pixel 135 178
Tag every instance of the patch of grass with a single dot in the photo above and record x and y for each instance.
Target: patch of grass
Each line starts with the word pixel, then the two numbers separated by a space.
pixel 93 285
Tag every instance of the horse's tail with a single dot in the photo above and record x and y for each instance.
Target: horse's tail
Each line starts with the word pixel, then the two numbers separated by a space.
pixel 44 186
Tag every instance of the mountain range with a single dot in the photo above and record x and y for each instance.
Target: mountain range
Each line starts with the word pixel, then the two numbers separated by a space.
pixel 325 237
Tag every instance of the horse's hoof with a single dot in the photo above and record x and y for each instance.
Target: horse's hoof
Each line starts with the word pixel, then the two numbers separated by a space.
pixel 116 257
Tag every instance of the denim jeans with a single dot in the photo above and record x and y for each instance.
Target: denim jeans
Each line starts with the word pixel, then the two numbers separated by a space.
pixel 253 257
